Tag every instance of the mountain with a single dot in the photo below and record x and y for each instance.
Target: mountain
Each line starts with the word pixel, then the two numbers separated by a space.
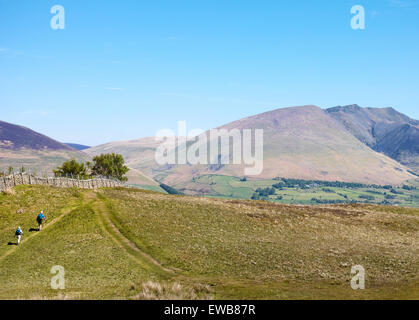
pixel 76 146
pixel 138 154
pixel 139 157
pixel 299 142
pixel 21 146
pixel 14 137
pixel 384 130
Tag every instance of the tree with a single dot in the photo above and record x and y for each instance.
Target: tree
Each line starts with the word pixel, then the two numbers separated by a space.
pixel 72 168
pixel 10 170
pixel 110 165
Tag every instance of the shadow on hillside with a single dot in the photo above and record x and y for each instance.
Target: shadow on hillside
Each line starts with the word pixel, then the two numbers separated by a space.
pixel 33 229
pixel 12 244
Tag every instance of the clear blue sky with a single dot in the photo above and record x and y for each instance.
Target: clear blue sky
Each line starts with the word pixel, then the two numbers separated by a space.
pixel 125 69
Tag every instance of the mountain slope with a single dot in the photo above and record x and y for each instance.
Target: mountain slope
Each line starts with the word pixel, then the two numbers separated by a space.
pixel 384 130
pixel 14 137
pixel 138 154
pixel 139 157
pixel 20 146
pixel 305 143
pixel 299 142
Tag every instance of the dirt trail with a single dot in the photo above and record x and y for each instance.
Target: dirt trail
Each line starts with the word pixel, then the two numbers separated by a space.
pixel 130 248
pixel 35 234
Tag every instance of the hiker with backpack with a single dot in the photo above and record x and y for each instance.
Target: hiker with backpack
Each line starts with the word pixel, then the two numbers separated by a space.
pixel 40 219
pixel 18 234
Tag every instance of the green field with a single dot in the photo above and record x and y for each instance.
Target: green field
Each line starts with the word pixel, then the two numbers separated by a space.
pixel 235 188
pixel 136 244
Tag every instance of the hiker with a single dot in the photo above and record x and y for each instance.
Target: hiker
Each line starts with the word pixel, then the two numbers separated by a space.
pixel 18 235
pixel 40 219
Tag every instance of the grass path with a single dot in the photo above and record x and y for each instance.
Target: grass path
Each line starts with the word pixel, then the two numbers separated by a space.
pixel 145 260
pixel 34 234
pixel 97 203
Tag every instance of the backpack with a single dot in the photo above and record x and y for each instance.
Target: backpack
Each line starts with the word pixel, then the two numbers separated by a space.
pixel 40 217
pixel 18 232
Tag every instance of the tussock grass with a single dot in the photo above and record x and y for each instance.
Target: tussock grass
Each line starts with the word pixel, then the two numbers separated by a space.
pixel 172 291
pixel 8 192
pixel 268 244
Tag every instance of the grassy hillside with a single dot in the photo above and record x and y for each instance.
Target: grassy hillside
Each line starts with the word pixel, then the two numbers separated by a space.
pixel 139 180
pixel 74 237
pixel 133 244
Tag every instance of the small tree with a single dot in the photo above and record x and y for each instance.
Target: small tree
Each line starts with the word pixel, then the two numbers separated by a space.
pixel 10 170
pixel 110 165
pixel 22 170
pixel 89 165
pixel 73 168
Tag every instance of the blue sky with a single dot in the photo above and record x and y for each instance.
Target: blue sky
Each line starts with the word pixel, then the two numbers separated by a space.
pixel 125 69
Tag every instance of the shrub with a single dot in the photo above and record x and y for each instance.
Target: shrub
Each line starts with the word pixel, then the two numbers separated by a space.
pixel 71 168
pixel 110 165
pixel 366 197
pixel 265 192
pixel 395 191
pixel 279 186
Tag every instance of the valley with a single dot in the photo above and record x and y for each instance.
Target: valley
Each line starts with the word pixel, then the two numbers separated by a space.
pixel 295 191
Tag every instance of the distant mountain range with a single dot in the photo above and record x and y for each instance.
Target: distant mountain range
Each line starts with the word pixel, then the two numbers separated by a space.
pixel 76 146
pixel 344 143
pixel 300 142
